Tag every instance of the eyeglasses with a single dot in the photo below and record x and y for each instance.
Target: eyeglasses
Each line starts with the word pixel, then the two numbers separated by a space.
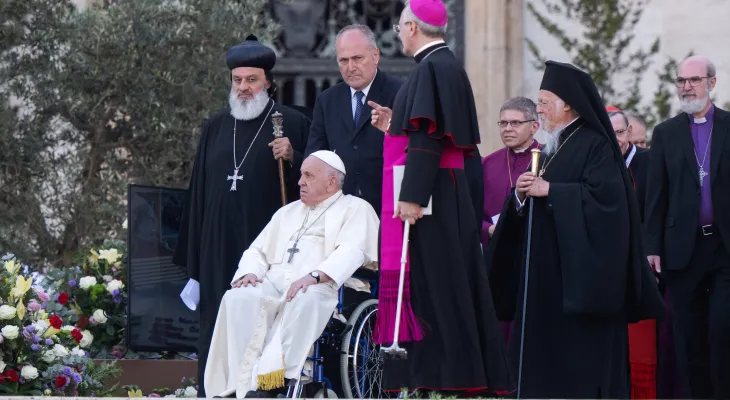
pixel 514 124
pixel 694 81
pixel 396 27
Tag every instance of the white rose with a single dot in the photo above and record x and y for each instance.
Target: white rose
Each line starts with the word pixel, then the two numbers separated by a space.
pixel 7 312
pixel 115 284
pixel 10 332
pixel 29 372
pixel 124 224
pixel 86 282
pixel 107 278
pixel 99 316
pixel 2 365
pixel 48 356
pixel 60 351
pixel 40 326
pixel 191 392
pixel 78 352
pixel 87 339
pixel 67 328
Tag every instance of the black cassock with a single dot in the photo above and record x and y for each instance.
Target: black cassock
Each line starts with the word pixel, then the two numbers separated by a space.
pixel 462 348
pixel 220 224
pixel 582 282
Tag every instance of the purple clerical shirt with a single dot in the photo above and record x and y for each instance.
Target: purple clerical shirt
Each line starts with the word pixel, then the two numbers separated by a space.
pixel 701 135
pixel 501 170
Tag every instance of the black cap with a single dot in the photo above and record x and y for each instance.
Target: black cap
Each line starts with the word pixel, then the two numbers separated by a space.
pixel 576 88
pixel 251 53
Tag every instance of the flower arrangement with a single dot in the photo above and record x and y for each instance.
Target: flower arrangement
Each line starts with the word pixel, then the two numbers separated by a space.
pixel 41 355
pixel 94 295
pixel 188 389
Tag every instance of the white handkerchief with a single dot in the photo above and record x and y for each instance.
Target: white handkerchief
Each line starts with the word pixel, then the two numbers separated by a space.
pixel 190 294
pixel 398 172
pixel 495 218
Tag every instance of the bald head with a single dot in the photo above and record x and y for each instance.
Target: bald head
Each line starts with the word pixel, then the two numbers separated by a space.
pixel 699 63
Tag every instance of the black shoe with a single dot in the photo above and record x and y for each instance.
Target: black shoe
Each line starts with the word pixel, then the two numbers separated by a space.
pixel 259 394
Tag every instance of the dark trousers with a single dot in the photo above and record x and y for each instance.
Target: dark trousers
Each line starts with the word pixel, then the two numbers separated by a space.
pixel 701 312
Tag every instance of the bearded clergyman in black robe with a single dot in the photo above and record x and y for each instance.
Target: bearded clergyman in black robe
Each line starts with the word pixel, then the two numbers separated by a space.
pixel 588 274
pixel 235 186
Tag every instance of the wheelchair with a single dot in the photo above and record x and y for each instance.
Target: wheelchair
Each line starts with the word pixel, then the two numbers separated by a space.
pixel 360 361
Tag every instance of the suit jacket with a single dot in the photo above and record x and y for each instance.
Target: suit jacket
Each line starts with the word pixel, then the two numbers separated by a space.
pixel 673 189
pixel 638 171
pixel 360 147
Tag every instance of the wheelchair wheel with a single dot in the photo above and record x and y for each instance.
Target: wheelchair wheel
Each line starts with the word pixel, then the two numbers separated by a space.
pixel 361 365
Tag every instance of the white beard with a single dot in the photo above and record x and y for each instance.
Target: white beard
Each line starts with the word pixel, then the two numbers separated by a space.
pixel 552 139
pixel 693 106
pixel 248 109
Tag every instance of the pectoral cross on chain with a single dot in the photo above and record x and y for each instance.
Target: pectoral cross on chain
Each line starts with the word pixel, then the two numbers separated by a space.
pixel 703 174
pixel 291 252
pixel 234 178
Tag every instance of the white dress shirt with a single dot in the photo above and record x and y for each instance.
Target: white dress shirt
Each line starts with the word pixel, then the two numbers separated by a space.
pixel 353 98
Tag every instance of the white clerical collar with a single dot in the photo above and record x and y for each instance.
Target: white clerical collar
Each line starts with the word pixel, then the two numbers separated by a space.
pixel 700 120
pixel 429 44
pixel 367 88
pixel 632 153
pixel 523 150
pixel 326 202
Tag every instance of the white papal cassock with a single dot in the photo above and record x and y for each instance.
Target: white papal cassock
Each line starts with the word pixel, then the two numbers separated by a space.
pixel 259 338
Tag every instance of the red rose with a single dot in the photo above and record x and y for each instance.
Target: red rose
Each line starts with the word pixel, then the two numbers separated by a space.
pixel 55 321
pixel 77 335
pixel 61 381
pixel 63 298
pixel 82 322
pixel 12 375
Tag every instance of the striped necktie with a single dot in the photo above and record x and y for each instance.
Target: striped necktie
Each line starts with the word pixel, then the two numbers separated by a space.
pixel 359 106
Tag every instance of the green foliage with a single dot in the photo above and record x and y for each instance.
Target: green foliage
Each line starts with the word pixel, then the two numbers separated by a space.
pixel 106 96
pixel 604 50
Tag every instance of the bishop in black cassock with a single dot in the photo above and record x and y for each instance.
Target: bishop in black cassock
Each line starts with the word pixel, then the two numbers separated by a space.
pixel 588 274
pixel 234 189
pixel 448 325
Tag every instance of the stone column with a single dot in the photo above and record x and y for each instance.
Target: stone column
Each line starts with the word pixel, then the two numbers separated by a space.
pixel 493 59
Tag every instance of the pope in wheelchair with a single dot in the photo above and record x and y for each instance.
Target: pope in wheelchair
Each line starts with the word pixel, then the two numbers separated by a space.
pixel 286 287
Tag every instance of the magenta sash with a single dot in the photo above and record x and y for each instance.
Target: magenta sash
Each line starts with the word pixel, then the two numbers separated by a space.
pixel 391 246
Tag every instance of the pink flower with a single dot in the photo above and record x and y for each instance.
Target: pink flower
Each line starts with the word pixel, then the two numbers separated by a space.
pixel 41 293
pixel 34 305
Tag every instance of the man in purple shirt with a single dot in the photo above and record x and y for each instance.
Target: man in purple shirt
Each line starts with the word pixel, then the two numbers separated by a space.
pixel 517 126
pixel 687 228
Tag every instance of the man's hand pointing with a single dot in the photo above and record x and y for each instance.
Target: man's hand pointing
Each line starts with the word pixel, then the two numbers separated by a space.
pixel 380 116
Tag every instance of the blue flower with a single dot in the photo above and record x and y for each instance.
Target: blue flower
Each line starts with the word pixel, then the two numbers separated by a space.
pixel 35 347
pixel 36 338
pixel 67 370
pixel 49 342
pixel 30 329
pixel 72 283
pixel 115 292
pixel 76 377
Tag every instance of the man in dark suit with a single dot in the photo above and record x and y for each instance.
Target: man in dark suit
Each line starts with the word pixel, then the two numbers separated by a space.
pixel 341 117
pixel 687 226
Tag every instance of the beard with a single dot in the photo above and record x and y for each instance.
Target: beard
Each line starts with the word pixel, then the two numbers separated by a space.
pixel 693 106
pixel 551 137
pixel 248 109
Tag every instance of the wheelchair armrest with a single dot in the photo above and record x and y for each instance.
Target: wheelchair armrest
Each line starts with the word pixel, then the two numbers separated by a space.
pixel 366 274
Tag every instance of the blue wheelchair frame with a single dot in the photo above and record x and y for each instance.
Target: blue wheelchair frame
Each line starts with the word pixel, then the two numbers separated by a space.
pixel 316 358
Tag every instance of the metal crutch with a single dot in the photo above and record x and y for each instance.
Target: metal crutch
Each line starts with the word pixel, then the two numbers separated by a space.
pixel 394 350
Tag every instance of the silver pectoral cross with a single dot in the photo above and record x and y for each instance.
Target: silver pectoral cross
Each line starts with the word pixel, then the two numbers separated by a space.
pixel 703 174
pixel 234 178
pixel 291 252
